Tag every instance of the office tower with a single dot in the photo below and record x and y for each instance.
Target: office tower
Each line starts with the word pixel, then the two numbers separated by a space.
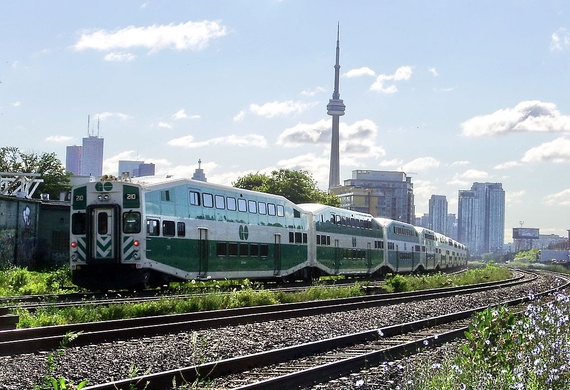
pixel 335 108
pixel 73 159
pixel 129 166
pixel 481 218
pixel 438 213
pixel 146 169
pixel 92 159
pixel 388 194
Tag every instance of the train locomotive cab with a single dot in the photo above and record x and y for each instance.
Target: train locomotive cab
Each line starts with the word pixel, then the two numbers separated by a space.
pixel 106 236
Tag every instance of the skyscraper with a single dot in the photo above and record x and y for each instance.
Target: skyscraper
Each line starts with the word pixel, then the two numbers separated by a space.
pixel 438 213
pixel 92 159
pixel 73 159
pixel 335 108
pixel 481 217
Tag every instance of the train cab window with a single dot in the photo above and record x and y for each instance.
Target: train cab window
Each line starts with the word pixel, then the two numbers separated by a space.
pixel 194 198
pixel 280 210
pixel 262 208
pixel 220 202
pixel 78 223
pixel 168 229
pixel 231 203
pixel 242 205
pixel 181 229
pixel 153 227
pixel 296 213
pixel 102 226
pixel 131 222
pixel 271 209
pixel 208 200
pixel 252 206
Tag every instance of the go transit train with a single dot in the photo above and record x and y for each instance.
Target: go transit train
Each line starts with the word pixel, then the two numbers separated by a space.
pixel 149 231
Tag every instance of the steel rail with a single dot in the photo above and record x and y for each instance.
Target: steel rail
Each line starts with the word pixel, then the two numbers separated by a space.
pixel 317 374
pixel 31 340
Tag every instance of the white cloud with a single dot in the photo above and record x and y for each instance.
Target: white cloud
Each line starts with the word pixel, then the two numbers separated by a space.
pixel 561 198
pixel 307 92
pixel 474 174
pixel 402 73
pixel 364 71
pixel 421 164
pixel 560 40
pixel 243 141
pixel 507 165
pixel 182 114
pixel 391 163
pixel 557 151
pixel 58 138
pixel 433 71
pixel 527 116
pixel 303 133
pixel 271 109
pixel 317 166
pixel 513 197
pixel 164 125
pixel 183 36
pixel 240 115
pixel 120 57
pixel 460 163
pixel 110 115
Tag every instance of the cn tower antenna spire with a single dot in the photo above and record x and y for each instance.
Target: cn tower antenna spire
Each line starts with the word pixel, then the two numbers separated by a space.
pixel 335 108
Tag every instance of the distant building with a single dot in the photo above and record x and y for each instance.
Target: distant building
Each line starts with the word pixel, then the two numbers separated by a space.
pixel 481 217
pixel 387 194
pixel 92 156
pixel 438 213
pixel 199 173
pixel 452 226
pixel 135 168
pixel 73 159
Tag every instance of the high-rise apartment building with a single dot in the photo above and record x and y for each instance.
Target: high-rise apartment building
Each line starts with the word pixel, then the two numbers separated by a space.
pixel 438 213
pixel 481 217
pixel 388 194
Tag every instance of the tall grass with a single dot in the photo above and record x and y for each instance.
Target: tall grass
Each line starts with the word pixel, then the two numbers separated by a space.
pixel 17 281
pixel 489 273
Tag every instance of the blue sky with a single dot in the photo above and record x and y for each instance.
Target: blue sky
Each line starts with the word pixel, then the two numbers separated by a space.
pixel 451 92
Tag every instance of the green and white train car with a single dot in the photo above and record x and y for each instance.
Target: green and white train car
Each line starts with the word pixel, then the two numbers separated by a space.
pixel 345 242
pixel 152 231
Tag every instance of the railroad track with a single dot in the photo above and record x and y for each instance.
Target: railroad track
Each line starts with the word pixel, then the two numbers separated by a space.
pixel 32 340
pixel 316 362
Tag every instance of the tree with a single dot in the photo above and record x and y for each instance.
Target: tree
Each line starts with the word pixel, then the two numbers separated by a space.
pixel 297 186
pixel 56 179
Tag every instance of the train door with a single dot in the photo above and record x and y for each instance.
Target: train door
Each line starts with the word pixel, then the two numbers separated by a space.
pixel 103 237
pixel 337 254
pixel 369 256
pixel 203 252
pixel 277 255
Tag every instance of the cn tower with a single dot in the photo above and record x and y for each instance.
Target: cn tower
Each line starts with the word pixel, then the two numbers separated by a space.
pixel 335 108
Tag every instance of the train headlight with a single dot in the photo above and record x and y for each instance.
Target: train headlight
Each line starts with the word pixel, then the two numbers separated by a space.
pixel 136 256
pixel 103 197
pixel 74 257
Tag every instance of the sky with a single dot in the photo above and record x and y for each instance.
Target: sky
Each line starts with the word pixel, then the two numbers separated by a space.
pixel 450 92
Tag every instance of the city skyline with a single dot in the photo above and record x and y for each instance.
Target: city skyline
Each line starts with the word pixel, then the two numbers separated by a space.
pixel 449 92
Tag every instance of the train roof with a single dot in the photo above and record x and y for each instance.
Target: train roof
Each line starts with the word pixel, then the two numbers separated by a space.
pixel 317 207
pixel 160 182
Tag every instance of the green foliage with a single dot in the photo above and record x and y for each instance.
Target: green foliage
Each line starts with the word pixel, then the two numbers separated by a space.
pixel 529 256
pixel 297 186
pixel 20 281
pixel 52 171
pixel 401 283
pixel 504 350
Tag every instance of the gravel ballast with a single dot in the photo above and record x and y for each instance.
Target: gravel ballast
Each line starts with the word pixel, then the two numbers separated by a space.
pixel 112 361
